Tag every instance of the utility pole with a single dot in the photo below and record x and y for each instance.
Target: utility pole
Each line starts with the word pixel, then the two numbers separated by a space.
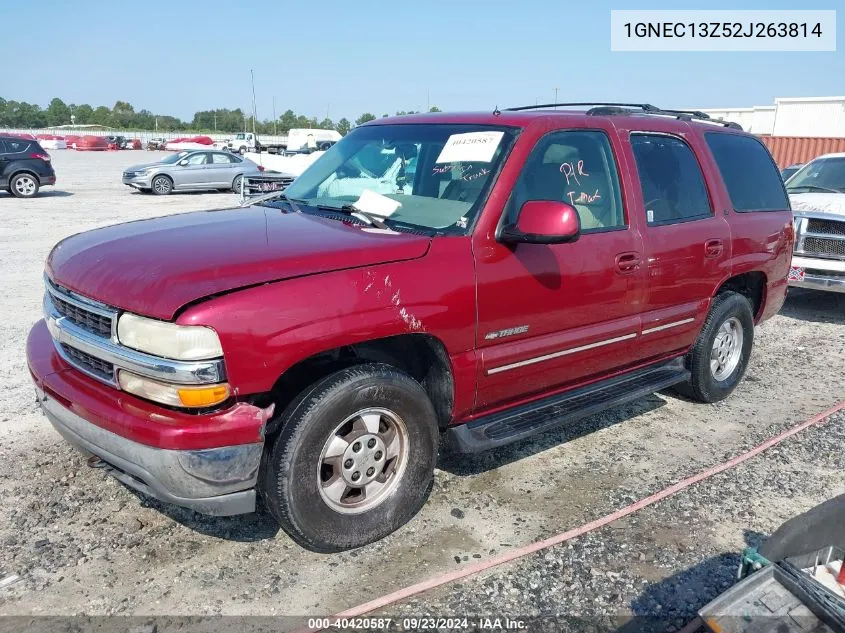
pixel 328 105
pixel 215 120
pixel 275 121
pixel 427 100
pixel 252 75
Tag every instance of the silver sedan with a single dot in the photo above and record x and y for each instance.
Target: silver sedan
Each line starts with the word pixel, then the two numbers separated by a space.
pixel 192 170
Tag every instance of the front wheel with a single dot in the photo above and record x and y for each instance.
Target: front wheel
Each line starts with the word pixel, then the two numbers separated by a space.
pixel 720 356
pixel 162 185
pixel 237 184
pixel 354 459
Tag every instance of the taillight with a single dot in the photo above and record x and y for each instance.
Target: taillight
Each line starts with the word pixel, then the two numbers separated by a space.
pixel 44 157
pixel 261 168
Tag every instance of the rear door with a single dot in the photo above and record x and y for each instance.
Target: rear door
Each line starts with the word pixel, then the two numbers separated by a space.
pixel 551 316
pixel 221 169
pixel 687 243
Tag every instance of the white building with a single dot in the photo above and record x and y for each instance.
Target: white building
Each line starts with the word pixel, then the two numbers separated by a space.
pixel 820 117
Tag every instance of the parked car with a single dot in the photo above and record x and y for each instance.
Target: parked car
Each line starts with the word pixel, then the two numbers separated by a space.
pixel 786 172
pixel 309 351
pixel 119 141
pixel 156 143
pixel 24 167
pixel 817 193
pixel 192 170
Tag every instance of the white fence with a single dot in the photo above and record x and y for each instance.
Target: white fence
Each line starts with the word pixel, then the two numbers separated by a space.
pixel 143 135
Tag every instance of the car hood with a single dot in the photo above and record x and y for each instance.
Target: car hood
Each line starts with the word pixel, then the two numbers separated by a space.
pixel 155 267
pixel 831 203
pixel 142 166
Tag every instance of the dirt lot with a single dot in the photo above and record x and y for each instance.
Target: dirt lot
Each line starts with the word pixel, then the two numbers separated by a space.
pixel 82 543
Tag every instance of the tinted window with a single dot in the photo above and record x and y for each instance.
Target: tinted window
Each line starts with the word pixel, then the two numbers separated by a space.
pixel 576 167
pixel 15 146
pixel 749 173
pixel 671 179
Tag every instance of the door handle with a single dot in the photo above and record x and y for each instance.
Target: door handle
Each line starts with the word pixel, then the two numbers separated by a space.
pixel 628 262
pixel 713 248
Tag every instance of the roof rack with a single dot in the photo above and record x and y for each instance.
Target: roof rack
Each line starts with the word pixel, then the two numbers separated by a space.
pixel 614 108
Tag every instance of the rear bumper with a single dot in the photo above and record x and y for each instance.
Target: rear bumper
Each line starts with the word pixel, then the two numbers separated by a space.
pixel 819 274
pixel 219 481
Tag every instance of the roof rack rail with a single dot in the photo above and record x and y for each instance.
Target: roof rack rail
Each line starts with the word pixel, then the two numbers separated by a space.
pixel 612 108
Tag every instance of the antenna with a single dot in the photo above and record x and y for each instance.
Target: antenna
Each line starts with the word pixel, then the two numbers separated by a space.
pixel 252 74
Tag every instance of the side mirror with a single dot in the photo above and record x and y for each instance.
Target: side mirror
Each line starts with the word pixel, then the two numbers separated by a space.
pixel 183 162
pixel 543 222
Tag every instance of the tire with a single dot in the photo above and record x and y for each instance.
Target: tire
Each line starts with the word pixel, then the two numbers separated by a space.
pixel 712 380
pixel 237 183
pixel 24 185
pixel 242 150
pixel 162 185
pixel 296 480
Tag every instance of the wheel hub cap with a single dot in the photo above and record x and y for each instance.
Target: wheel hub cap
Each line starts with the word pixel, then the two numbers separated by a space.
pixel 363 461
pixel 727 349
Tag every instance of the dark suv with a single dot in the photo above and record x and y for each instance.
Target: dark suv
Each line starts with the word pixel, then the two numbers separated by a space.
pixel 24 167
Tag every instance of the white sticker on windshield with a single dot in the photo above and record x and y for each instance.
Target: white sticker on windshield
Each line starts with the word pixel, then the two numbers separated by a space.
pixel 472 146
pixel 377 204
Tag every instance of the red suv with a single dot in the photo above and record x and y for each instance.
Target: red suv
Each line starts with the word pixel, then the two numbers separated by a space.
pixel 489 276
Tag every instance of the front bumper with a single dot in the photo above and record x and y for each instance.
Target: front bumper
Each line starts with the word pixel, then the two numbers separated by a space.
pixel 138 182
pixel 206 462
pixel 217 481
pixel 819 274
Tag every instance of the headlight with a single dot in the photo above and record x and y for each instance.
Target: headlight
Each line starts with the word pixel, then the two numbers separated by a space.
pixel 168 340
pixel 173 395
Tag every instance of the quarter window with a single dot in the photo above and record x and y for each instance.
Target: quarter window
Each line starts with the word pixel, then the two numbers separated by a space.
pixel 749 173
pixel 671 180
pixel 576 167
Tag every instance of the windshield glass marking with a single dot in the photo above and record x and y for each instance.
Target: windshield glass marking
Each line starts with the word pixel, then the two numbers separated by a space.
pixel 472 146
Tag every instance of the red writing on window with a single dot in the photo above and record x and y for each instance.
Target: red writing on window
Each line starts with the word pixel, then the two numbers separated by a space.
pixel 572 170
pixel 583 197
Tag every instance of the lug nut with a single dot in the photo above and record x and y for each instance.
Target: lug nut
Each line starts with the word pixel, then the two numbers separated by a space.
pixel 377 456
pixel 370 471
pixel 356 476
pixel 348 463
pixel 371 443
pixel 356 446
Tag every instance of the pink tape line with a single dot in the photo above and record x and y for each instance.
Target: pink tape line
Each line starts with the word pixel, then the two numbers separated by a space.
pixel 477 568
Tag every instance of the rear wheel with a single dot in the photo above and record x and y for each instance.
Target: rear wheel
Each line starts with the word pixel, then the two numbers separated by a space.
pixel 354 459
pixel 24 185
pixel 162 185
pixel 720 356
pixel 242 150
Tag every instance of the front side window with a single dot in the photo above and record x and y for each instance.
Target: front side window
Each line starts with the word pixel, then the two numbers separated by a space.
pixel 197 159
pixel 749 173
pixel 576 167
pixel 435 176
pixel 671 180
pixel 820 175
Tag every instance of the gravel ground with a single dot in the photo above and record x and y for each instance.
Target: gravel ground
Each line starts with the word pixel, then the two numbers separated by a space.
pixel 82 543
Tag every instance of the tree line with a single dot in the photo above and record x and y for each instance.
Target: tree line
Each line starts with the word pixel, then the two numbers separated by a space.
pixel 123 116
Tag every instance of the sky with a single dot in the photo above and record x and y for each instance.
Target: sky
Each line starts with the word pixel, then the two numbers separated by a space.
pixel 381 56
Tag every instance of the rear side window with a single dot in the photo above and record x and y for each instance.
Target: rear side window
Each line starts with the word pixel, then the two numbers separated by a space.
pixel 671 180
pixel 749 173
pixel 14 146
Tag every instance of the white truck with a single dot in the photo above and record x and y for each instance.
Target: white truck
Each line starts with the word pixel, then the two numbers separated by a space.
pixel 297 140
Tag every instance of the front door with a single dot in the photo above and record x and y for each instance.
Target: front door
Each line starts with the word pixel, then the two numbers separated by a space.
pixel 554 315
pixel 194 174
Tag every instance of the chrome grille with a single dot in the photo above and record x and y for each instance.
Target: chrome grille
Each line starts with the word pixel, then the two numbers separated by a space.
pixel 825 227
pixel 91 321
pixel 821 246
pixel 90 364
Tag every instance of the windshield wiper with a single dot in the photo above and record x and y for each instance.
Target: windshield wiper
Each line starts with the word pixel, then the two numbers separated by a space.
pixel 815 187
pixel 272 195
pixel 351 209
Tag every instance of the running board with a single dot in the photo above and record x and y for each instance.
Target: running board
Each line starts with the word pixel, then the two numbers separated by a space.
pixel 519 423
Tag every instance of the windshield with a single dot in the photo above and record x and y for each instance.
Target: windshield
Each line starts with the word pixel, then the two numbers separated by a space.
pixel 824 174
pixel 430 175
pixel 240 137
pixel 174 158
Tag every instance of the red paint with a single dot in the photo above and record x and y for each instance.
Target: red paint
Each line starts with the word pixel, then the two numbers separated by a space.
pixel 548 218
pixel 280 287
